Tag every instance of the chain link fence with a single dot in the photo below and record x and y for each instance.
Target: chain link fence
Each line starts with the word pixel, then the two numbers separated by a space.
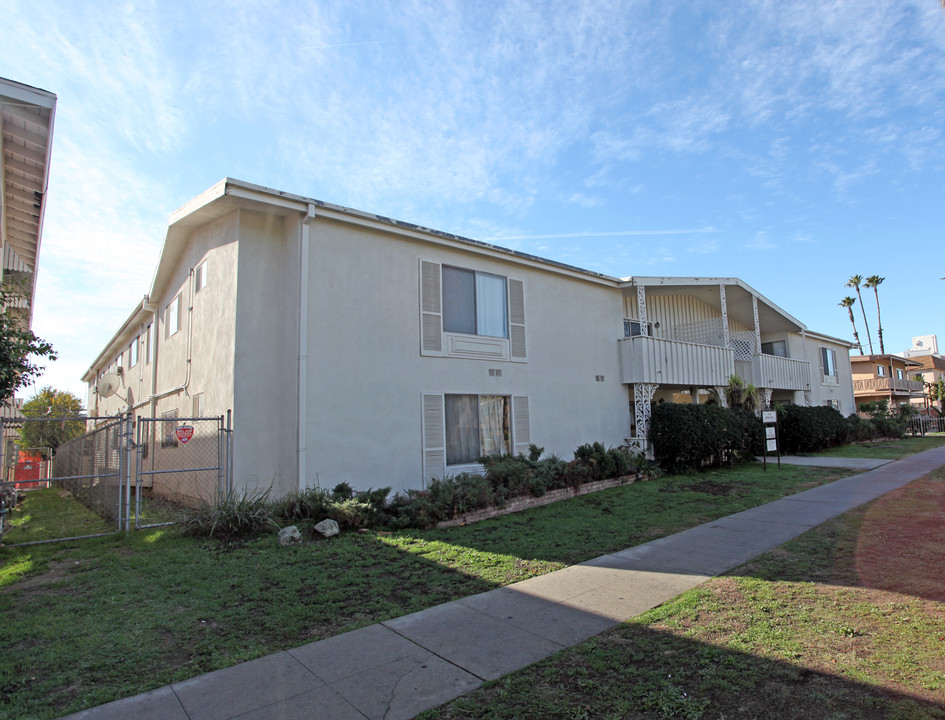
pixel 131 474
pixel 90 468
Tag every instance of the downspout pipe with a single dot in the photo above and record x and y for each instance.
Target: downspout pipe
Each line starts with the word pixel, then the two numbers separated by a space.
pixel 302 420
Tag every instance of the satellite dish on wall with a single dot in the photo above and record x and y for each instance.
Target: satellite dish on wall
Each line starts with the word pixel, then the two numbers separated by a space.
pixel 108 384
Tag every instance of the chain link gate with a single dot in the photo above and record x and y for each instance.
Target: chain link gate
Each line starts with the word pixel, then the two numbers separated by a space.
pixel 181 460
pixel 91 469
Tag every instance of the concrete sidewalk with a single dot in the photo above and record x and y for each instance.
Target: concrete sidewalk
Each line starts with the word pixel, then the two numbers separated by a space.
pixel 398 668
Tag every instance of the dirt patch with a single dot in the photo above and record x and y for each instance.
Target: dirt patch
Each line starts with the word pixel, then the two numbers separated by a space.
pixel 901 544
pixel 56 571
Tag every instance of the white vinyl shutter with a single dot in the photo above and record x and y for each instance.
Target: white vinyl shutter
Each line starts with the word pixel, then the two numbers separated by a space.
pixel 434 437
pixel 517 320
pixel 520 426
pixel 431 313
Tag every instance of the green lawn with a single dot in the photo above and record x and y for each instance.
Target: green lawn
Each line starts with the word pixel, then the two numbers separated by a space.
pixel 85 622
pixel 47 513
pixel 887 449
pixel 847 621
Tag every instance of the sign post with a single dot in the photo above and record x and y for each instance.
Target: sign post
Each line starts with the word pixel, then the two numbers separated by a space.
pixel 770 420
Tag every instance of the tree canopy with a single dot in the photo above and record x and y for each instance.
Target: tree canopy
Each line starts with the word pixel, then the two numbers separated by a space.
pixel 20 350
pixel 45 436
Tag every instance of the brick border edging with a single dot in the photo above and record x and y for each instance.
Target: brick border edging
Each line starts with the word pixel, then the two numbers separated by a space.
pixel 526 502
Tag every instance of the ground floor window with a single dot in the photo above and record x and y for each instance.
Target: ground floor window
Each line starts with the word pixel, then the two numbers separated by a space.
pixel 476 425
pixel 169 436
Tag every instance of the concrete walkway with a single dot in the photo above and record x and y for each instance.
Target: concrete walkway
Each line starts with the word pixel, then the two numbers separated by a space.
pixel 398 668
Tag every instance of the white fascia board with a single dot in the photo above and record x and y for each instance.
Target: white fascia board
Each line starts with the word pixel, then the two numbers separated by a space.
pixel 120 339
pixel 811 335
pixel 27 94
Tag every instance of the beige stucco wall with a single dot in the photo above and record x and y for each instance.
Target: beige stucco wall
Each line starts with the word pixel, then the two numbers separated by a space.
pixel 265 358
pixel 366 374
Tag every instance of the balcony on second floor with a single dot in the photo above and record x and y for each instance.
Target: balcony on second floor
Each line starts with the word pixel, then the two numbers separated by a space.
pixel 777 373
pixel 887 385
pixel 664 361
pixel 647 359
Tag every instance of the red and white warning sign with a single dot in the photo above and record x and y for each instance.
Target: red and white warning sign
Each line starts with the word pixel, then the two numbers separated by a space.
pixel 184 433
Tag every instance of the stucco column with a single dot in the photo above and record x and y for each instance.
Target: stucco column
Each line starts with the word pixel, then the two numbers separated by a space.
pixel 767 397
pixel 723 398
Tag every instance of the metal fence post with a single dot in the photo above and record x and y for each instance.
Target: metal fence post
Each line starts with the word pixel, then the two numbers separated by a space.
pixel 229 452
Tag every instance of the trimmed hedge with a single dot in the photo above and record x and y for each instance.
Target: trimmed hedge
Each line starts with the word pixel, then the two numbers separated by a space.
pixel 807 429
pixel 689 437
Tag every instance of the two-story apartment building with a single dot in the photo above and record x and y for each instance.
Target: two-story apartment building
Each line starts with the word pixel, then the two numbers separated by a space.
pixel 352 347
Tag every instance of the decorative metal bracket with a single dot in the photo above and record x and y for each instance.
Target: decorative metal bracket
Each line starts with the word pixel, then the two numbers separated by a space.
pixel 641 310
pixel 642 397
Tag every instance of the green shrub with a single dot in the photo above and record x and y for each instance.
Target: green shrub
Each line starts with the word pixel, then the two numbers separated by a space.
pixel 308 504
pixel 808 429
pixel 689 437
pixel 239 513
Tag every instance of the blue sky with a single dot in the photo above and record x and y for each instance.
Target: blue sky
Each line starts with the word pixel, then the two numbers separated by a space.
pixel 791 144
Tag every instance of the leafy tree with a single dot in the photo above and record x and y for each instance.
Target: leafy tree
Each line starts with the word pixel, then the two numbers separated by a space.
pixel 874 281
pixel 58 406
pixel 848 302
pixel 19 347
pixel 854 282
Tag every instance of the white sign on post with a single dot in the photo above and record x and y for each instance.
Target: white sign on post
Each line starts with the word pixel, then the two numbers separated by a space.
pixel 769 432
pixel 772 445
pixel 769 416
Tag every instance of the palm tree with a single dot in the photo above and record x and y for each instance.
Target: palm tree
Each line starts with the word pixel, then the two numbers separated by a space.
pixel 854 282
pixel 848 302
pixel 873 281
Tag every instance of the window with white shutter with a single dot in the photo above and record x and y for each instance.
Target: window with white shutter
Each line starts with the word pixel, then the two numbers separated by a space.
pixel 431 323
pixel 459 429
pixel 471 314
pixel 434 438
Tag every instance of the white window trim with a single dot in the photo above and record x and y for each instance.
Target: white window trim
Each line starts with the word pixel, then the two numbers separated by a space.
pixel 834 377
pixel 200 277
pixel 173 309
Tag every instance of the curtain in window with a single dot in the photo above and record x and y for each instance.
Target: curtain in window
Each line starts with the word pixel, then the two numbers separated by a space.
pixel 491 312
pixel 459 300
pixel 494 425
pixel 462 429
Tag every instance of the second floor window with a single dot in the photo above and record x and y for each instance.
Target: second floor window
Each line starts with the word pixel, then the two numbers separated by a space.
pixel 172 317
pixel 828 361
pixel 474 303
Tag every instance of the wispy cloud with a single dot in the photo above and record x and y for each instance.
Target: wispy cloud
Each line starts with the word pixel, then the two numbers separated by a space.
pixel 613 233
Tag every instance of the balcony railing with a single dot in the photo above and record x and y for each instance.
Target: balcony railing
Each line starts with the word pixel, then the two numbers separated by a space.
pixel 888 385
pixel 779 373
pixel 646 359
